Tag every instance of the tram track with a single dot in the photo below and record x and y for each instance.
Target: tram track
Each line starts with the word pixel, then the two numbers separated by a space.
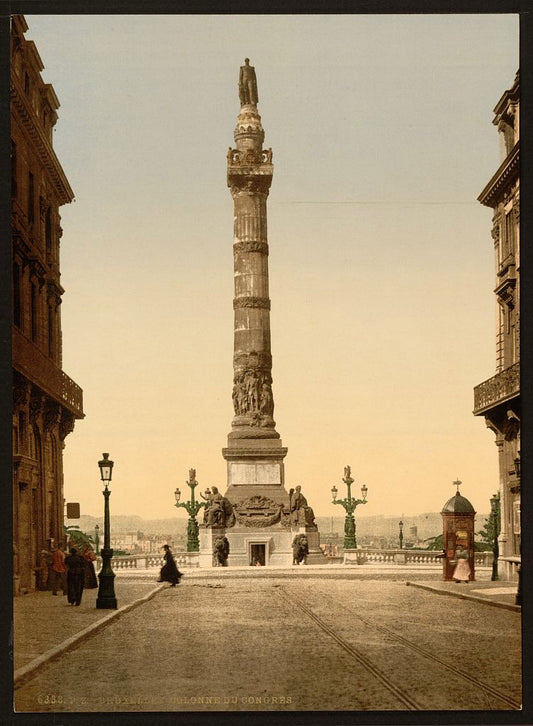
pixel 400 693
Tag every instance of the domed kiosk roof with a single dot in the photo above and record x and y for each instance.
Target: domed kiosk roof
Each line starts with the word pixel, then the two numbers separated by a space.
pixel 458 505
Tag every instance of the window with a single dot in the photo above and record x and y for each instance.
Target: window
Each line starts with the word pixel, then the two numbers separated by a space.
pixel 17 316
pixel 26 84
pixel 50 331
pixel 516 516
pixel 22 431
pixel 31 198
pixel 509 233
pixel 33 311
pixel 48 231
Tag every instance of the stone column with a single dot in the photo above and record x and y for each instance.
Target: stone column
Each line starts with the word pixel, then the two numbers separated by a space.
pixel 249 178
pixel 254 452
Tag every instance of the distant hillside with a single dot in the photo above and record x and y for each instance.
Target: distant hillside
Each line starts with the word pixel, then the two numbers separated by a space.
pixel 120 524
pixel 428 524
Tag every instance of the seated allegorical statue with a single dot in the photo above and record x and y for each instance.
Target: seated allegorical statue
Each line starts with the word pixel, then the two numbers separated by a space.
pixel 300 512
pixel 218 511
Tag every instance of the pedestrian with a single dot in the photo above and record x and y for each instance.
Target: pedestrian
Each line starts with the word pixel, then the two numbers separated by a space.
pixel 169 571
pixel 462 568
pixel 88 560
pixel 75 576
pixel 59 570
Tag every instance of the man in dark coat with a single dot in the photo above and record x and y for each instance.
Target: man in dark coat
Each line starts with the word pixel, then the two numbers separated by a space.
pixel 169 571
pixel 75 576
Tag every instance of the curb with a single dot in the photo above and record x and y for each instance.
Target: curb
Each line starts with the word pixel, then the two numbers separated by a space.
pixel 463 596
pixel 24 672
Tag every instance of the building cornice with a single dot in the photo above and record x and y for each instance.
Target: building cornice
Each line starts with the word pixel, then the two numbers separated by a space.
pixel 504 176
pixel 511 96
pixel 46 153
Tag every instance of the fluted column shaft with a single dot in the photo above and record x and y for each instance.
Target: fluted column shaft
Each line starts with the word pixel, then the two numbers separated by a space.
pixel 249 178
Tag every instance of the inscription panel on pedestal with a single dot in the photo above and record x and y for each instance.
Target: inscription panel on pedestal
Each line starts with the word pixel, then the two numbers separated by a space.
pixel 254 474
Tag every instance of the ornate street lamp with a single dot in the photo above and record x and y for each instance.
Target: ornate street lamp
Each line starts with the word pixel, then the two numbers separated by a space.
pixel 192 507
pixel 400 524
pixel 106 591
pixel 349 504
pixel 97 538
pixel 496 525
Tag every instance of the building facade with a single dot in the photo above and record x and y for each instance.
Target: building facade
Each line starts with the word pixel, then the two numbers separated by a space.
pixel 46 402
pixel 498 399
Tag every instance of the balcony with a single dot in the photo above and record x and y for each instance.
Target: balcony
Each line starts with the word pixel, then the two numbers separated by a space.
pixel 498 389
pixel 41 370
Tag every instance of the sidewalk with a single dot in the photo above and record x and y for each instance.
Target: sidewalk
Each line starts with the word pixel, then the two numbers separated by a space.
pixel 43 622
pixel 45 626
pixel 499 594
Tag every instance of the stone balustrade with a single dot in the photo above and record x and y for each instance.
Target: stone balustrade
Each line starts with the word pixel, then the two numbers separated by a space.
pixel 149 561
pixel 405 557
pixel 351 557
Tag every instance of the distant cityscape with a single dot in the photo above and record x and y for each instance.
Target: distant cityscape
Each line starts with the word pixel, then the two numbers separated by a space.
pixel 132 534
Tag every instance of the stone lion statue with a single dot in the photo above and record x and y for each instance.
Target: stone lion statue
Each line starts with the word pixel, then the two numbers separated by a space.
pixel 300 549
pixel 221 552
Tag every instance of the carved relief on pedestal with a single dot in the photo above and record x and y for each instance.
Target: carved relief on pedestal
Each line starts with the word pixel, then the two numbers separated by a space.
pixel 260 511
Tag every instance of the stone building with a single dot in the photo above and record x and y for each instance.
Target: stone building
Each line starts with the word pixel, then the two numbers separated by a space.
pixel 498 399
pixel 46 402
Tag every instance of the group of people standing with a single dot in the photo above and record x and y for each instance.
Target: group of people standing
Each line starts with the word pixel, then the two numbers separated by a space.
pixel 70 573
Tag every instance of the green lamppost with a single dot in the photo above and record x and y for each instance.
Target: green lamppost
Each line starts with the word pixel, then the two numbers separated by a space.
pixel 106 591
pixel 192 507
pixel 400 524
pixel 349 504
pixel 496 526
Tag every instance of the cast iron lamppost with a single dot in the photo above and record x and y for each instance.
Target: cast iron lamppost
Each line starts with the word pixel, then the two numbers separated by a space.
pixel 400 524
pixel 192 507
pixel 495 517
pixel 97 538
pixel 106 591
pixel 349 504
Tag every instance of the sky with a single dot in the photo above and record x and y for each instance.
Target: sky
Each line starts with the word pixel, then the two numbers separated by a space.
pixel 381 259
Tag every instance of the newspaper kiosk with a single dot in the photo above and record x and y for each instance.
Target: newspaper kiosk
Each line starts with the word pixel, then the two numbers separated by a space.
pixel 458 534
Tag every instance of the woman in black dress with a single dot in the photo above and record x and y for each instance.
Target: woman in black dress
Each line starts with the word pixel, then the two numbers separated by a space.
pixel 75 576
pixel 169 571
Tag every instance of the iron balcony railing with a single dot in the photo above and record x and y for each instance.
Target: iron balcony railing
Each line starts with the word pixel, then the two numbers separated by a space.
pixel 498 389
pixel 41 370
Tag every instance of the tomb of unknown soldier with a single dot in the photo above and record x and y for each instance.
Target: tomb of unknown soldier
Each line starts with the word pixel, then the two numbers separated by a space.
pixel 257 521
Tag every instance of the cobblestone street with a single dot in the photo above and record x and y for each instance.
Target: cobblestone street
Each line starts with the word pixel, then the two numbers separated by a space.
pixel 290 644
